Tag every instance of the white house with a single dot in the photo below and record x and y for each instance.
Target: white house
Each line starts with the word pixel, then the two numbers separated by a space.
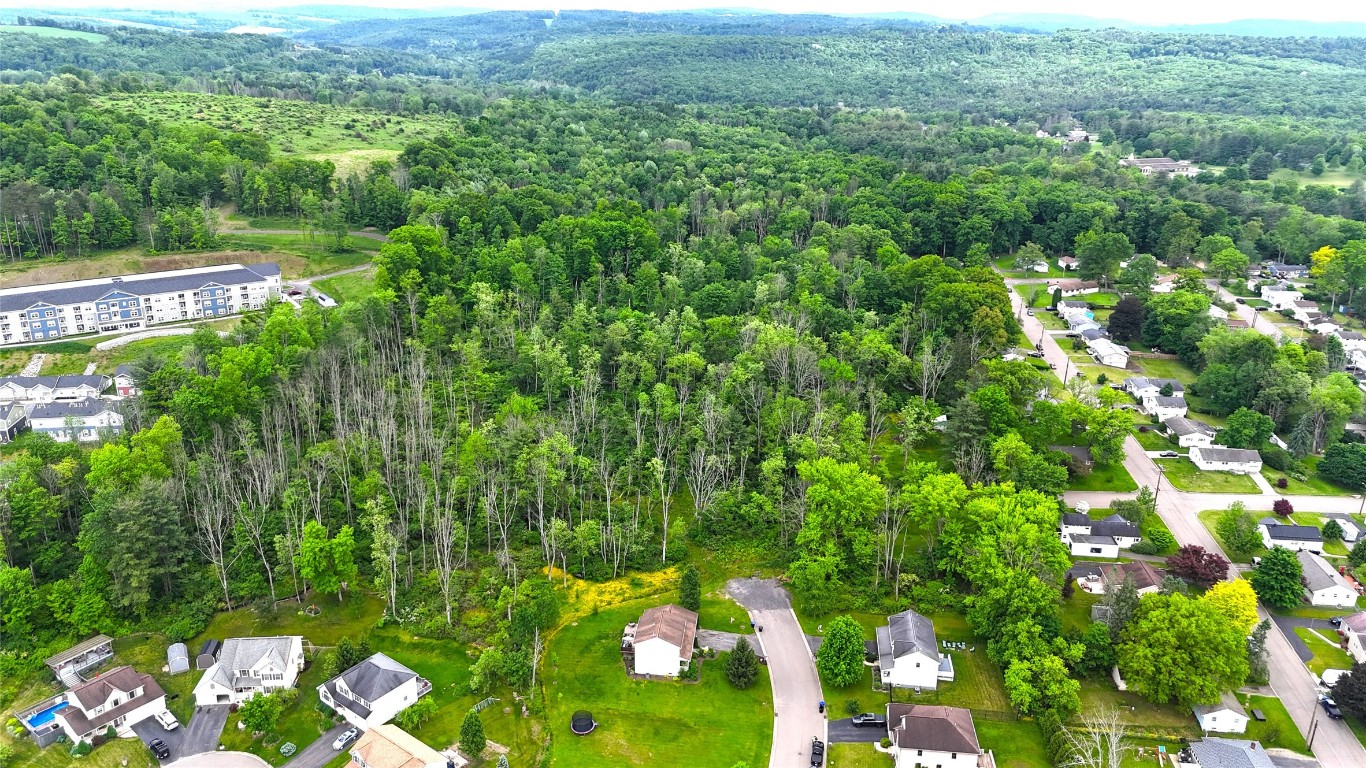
pixel 1087 545
pixel 1350 531
pixel 46 389
pixel 1215 458
pixel 1217 752
pixel 1164 284
pixel 1150 166
pixel 1321 324
pixel 1142 386
pixel 1078 321
pixel 1226 716
pixel 1289 271
pixel 124 383
pixel 908 653
pixel 1305 310
pixel 121 697
pixel 1107 352
pixel 373 692
pixel 944 737
pixel 1352 341
pixel 388 746
pixel 1293 537
pixel 1080 532
pixel 247 666
pixel 1066 306
pixel 81 420
pixel 1323 585
pixel 1281 295
pixel 1217 312
pixel 1164 407
pixel 662 641
pixel 1354 629
pixel 1069 288
pixel 13 422
pixel 1189 432
pixel 1068 263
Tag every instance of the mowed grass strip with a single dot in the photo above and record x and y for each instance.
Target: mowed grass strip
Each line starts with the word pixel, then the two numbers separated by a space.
pixel 1185 476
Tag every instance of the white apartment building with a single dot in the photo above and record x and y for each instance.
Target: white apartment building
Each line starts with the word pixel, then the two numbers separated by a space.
pixel 131 302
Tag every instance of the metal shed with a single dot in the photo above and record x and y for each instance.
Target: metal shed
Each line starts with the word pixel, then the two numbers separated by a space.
pixel 208 654
pixel 177 659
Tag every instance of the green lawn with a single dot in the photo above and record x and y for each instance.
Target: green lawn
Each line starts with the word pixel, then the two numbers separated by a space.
pixel 1279 730
pixel 1103 477
pixel 302 722
pixel 1313 486
pixel 722 613
pixel 1154 523
pixel 1185 476
pixel 1326 654
pixel 857 756
pixel 349 287
pixel 1006 266
pixel 1209 518
pixel 74 34
pixel 1305 611
pixel 1167 720
pixel 647 722
pixel 122 753
pixel 1167 369
pixel 147 653
pixel 352 618
pixel 1330 548
pixel 1076 610
pixel 1153 441
pixel 1014 743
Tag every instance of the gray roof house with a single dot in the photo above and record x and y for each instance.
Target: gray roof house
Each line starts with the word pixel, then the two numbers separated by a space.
pixel 374 691
pixel 247 666
pixel 1182 426
pixel 908 652
pixel 1215 752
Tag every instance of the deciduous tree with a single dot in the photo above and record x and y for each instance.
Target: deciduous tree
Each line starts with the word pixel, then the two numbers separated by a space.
pixel 1279 579
pixel 1197 565
pixel 1181 650
pixel 840 657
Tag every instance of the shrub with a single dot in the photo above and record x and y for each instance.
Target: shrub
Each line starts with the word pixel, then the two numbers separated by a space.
pixel 1282 483
pixel 885 742
pixel 81 749
pixel 1332 531
pixel 852 706
pixel 1283 507
pixel 1161 539
pixel 1145 547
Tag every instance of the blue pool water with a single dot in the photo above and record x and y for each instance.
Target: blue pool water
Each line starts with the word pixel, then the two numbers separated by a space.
pixel 43 717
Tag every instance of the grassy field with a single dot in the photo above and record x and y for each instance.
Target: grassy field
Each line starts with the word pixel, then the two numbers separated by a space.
pixel 1152 441
pixel 1326 655
pixel 1166 369
pixel 647 722
pixel 1279 730
pixel 1076 610
pixel 1015 744
pixel 1136 711
pixel 1209 518
pixel 856 756
pixel 1006 265
pixel 1105 477
pixel 1185 476
pixel 73 356
pixel 353 286
pixel 73 34
pixel 1313 486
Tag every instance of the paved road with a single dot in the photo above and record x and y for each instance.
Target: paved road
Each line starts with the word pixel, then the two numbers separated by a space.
pixel 220 760
pixel 304 282
pixel 200 735
pixel 320 752
pixel 845 732
pixel 792 670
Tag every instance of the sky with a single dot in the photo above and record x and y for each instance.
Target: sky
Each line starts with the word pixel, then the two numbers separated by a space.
pixel 1153 12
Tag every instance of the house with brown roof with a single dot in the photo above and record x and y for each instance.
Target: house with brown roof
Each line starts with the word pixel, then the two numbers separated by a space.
pixel 388 746
pixel 119 698
pixel 1147 579
pixel 944 737
pixel 661 643
pixel 1070 288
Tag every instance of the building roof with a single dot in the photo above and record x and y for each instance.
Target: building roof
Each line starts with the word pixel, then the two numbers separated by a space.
pixel 1076 518
pixel 210 648
pixel 1182 426
pixel 1280 266
pixel 244 653
pixel 1168 401
pixel 672 623
pixel 96 691
pixel 1079 452
pixel 90 406
pixel 388 746
pixel 12 414
pixel 906 633
pixel 1075 285
pixel 1230 753
pixel 1318 574
pixel 1144 574
pixel 1069 304
pixel 78 649
pixel 129 679
pixel 1115 528
pixel 1067 260
pixel 1107 347
pixel 1356 622
pixel 1088 538
pixel 370 680
pixel 1232 455
pixel 939 729
pixel 1143 382
pixel 65 381
pixel 87 291
pixel 1156 163
pixel 1091 334
pixel 1226 702
pixel 1306 304
pixel 1284 532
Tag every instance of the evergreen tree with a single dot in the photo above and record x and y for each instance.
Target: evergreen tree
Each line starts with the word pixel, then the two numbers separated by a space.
pixel 1258 672
pixel 472 739
pixel 1122 602
pixel 742 668
pixel 690 590
pixel 1278 580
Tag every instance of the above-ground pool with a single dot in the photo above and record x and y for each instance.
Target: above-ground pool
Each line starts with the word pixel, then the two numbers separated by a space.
pixel 44 716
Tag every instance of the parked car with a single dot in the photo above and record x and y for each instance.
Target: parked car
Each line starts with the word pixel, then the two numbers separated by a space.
pixel 1336 621
pixel 1029 312
pixel 817 752
pixel 349 735
pixel 1170 455
pixel 1260 309
pixel 1331 708
pixel 324 300
pixel 159 749
pixel 870 719
pixel 1240 300
pixel 167 720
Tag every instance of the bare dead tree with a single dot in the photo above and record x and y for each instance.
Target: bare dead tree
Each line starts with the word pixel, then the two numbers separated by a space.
pixel 1099 742
pixel 207 491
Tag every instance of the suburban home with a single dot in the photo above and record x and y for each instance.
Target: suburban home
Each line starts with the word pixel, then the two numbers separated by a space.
pixel 1164 407
pixel 1107 352
pixel 1150 166
pixel 388 746
pixel 13 422
pixel 943 737
pixel 1217 312
pixel 1237 324
pixel 121 697
pixel 1147 579
pixel 1350 531
pixel 1188 432
pixel 373 692
pixel 1281 295
pixel 1065 307
pixel 69 665
pixel 1352 341
pixel 1354 630
pixel 1098 538
pixel 1305 310
pixel 1069 288
pixel 1068 263
pixel 46 389
pixel 1141 387
pixel 1323 585
pixel 1215 458
pixel 1225 716
pixel 662 641
pixel 1079 458
pixel 1321 324
pixel 1077 321
pixel 80 420
pixel 1087 545
pixel 208 654
pixel 1285 271
pixel 123 382
pixel 247 666
pixel 1164 284
pixel 1217 752
pixel 1091 334
pixel 1293 537
pixel 908 653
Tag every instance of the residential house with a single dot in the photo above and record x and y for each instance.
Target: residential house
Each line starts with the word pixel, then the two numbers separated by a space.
pixel 1158 165
pixel 1352 341
pixel 1281 295
pixel 908 653
pixel 124 383
pixel 1292 537
pixel 1164 284
pixel 1354 630
pixel 1285 271
pixel 1077 321
pixel 662 641
pixel 1124 533
pixel 247 666
pixel 1069 288
pixel 1323 585
pixel 1237 324
pixel 1013 355
pixel 119 698
pixel 1304 310
pixel 79 420
pixel 1225 716
pixel 1218 752
pixel 943 737
pixel 388 746
pixel 1091 334
pixel 1321 324
pixel 373 692
pixel 1147 579
pixel 1079 458
pixel 1216 458
pixel 1066 306
pixel 1189 432
pixel 1163 406
pixel 1350 531
pixel 1217 312
pixel 13 422
pixel 1041 268
pixel 46 389
pixel 1068 263
pixel 1141 387
pixel 1087 545
pixel 1108 353
pixel 69 665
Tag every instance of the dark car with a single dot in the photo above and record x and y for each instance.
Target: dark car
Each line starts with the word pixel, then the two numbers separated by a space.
pixel 869 719
pixel 1240 300
pixel 1331 708
pixel 1170 455
pixel 818 752
pixel 1336 621
pixel 159 749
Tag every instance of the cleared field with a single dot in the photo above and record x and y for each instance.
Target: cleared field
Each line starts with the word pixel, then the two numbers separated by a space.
pixel 73 34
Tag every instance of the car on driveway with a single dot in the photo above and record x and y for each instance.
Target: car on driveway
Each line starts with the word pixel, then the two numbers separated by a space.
pixel 159 749
pixel 1170 455
pixel 1330 707
pixel 870 720
pixel 1029 312
pixel 1336 621
pixel 167 720
pixel 349 735
pixel 817 752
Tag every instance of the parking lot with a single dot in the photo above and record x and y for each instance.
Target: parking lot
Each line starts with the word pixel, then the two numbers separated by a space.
pixel 201 734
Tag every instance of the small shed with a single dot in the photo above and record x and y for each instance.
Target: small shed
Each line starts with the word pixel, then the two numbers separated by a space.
pixel 208 654
pixel 177 659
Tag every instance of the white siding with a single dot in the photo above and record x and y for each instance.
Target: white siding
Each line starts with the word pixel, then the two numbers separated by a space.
pixel 915 670
pixel 657 656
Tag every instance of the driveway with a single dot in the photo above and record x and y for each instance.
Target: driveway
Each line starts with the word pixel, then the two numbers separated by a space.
pixel 220 760
pixel 722 641
pixel 792 670
pixel 199 735
pixel 320 752
pixel 845 732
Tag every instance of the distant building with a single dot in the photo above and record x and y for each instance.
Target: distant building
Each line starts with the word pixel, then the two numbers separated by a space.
pixel 1225 716
pixel 1164 407
pixel 1070 288
pixel 124 383
pixel 47 389
pixel 1189 432
pixel 1280 269
pixel 1159 165
pixel 1281 295
pixel 80 420
pixel 13 422
pixel 1142 386
pixel 1068 263
pixel 1164 284
pixel 1323 585
pixel 1108 353
pixel 1215 458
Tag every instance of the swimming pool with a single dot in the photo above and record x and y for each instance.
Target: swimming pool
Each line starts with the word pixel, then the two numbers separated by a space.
pixel 45 716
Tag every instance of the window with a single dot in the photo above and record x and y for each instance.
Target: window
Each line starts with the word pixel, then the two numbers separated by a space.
pixel 47 313
pixel 1095 550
